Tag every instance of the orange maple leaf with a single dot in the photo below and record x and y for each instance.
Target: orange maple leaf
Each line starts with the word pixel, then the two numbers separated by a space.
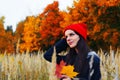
pixel 68 70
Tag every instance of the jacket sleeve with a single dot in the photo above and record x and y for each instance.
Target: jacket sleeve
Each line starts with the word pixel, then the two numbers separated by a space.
pixel 96 66
pixel 60 46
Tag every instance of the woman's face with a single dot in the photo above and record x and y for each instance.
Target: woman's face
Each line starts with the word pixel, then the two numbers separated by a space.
pixel 72 38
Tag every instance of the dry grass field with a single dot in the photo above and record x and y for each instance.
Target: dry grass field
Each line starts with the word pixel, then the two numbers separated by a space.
pixel 35 67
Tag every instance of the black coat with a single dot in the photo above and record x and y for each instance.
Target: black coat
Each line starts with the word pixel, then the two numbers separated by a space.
pixel 62 46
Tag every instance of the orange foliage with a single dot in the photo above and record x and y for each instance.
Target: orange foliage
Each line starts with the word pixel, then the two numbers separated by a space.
pixel 67 19
pixel 3 38
pixel 63 69
pixel 59 68
pixel 6 41
pixel 108 2
pixel 19 30
pixel 105 36
pixel 42 31
pixel 69 71
pixel 29 40
pixel 50 30
pixel 10 42
pixel 114 40
pixel 100 15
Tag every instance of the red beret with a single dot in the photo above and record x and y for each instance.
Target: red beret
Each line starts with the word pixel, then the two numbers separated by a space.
pixel 80 28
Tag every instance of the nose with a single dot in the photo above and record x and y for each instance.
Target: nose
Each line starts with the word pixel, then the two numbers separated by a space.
pixel 68 38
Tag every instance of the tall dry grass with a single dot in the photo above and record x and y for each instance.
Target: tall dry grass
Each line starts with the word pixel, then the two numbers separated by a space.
pixel 23 67
pixel 35 67
pixel 110 64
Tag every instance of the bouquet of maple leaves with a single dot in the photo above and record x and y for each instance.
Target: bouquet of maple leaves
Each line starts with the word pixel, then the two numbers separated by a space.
pixel 63 69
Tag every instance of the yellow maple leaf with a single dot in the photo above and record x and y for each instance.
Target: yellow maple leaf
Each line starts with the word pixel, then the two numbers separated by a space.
pixel 68 70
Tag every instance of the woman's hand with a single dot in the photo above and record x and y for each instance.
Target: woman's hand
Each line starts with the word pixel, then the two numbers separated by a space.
pixel 64 77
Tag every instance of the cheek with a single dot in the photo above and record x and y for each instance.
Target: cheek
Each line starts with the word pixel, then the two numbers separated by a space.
pixel 75 43
pixel 77 39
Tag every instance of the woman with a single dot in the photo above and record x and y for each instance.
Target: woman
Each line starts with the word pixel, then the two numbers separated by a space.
pixel 79 54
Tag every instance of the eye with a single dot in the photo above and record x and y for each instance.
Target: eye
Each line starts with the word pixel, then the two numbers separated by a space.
pixel 69 35
pixel 66 37
pixel 72 34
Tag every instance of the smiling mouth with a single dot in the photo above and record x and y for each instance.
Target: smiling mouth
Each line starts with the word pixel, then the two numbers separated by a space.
pixel 70 43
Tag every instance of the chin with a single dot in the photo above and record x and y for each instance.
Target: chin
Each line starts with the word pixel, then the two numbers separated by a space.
pixel 71 46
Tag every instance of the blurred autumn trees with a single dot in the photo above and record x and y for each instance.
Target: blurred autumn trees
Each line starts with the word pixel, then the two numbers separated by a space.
pixel 102 18
pixel 50 30
pixel 6 38
pixel 42 31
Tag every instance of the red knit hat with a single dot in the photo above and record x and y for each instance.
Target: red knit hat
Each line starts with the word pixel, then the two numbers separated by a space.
pixel 80 28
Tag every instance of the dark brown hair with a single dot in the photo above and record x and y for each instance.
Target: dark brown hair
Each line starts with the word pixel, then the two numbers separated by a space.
pixel 79 60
